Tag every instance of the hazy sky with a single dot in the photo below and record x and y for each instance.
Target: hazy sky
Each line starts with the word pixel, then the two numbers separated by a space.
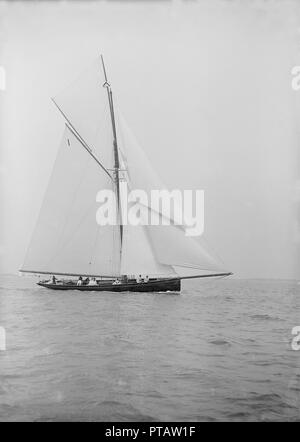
pixel 205 86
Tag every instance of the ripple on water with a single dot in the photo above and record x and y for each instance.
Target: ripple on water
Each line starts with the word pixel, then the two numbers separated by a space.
pixel 214 353
pixel 265 317
pixel 220 342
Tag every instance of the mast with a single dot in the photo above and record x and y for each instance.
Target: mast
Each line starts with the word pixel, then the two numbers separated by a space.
pixel 116 155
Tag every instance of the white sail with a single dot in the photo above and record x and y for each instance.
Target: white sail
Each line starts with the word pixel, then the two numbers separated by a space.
pixel 140 173
pixel 84 104
pixel 185 254
pixel 138 257
pixel 168 244
pixel 67 238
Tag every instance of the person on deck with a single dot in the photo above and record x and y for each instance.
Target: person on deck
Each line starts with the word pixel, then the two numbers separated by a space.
pixel 117 282
pixel 139 279
pixel 146 279
pixel 79 282
pixel 92 281
pixel 51 280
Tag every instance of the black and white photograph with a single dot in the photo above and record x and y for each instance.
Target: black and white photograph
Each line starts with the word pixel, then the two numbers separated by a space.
pixel 150 213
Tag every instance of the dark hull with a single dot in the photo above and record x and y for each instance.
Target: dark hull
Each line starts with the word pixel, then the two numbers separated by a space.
pixel 161 285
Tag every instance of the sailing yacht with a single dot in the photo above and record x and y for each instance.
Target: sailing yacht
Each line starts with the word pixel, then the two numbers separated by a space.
pixel 99 151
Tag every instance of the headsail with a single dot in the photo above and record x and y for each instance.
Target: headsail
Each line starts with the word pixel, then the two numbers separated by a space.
pixel 138 257
pixel 170 247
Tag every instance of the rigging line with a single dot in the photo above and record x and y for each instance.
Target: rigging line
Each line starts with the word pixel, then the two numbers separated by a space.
pixel 224 276
pixel 193 266
pixel 210 247
pixel 104 70
pixel 80 139
pixel 122 149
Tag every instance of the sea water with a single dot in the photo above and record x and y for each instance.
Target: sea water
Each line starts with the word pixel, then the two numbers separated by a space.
pixel 221 350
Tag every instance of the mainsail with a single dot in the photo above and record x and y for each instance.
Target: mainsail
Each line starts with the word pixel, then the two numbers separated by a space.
pixel 97 151
pixel 67 239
